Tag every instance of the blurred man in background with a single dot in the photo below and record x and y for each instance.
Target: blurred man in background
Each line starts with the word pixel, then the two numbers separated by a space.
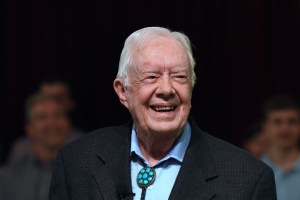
pixel 282 128
pixel 58 90
pixel 47 128
pixel 255 141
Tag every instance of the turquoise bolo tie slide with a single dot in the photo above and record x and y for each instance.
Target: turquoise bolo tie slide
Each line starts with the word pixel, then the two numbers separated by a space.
pixel 145 177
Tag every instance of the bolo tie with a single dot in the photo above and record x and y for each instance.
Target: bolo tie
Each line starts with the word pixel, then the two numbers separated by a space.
pixel 145 178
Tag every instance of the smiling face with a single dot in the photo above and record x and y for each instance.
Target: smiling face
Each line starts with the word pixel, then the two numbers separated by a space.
pixel 159 92
pixel 48 126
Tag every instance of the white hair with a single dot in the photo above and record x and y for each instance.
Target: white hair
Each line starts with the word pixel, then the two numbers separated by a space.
pixel 139 36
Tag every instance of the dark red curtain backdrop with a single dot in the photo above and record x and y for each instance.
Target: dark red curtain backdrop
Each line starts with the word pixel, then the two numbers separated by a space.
pixel 246 51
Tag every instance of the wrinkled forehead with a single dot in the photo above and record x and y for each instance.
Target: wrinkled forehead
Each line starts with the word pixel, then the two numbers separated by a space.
pixel 155 41
pixel 159 51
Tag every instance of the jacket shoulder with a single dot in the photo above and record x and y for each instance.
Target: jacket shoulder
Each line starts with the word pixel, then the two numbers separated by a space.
pixel 97 138
pixel 232 158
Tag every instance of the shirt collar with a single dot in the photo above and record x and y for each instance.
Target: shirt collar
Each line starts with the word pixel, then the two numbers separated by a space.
pixel 266 158
pixel 177 152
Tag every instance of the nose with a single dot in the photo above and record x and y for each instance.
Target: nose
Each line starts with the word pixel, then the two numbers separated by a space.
pixel 165 88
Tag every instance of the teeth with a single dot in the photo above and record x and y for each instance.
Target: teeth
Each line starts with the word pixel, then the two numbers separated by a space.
pixel 163 109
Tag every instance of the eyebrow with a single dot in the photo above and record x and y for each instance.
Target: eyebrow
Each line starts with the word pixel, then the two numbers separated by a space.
pixel 179 71
pixel 151 70
pixel 155 70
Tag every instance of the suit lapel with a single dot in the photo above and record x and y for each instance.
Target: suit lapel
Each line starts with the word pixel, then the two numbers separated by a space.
pixel 111 165
pixel 197 170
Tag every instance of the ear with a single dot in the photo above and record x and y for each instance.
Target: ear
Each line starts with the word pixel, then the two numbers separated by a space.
pixel 120 90
pixel 28 129
pixel 264 125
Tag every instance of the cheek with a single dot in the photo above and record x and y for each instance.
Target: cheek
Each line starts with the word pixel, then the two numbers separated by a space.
pixel 36 132
pixel 136 102
pixel 268 129
pixel 141 96
pixel 39 126
pixel 296 131
pixel 185 95
pixel 63 124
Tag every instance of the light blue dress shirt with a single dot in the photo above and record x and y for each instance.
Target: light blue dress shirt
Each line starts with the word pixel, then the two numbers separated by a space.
pixel 166 169
pixel 287 182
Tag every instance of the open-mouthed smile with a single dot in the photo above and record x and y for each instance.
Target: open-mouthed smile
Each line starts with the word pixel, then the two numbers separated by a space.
pixel 163 108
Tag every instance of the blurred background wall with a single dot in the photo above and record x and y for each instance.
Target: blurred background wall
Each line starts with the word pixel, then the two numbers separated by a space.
pixel 246 51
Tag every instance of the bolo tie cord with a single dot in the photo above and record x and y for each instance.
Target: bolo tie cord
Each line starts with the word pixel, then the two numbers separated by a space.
pixel 143 195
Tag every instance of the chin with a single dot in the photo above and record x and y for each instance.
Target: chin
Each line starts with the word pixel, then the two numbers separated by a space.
pixel 166 128
pixel 55 145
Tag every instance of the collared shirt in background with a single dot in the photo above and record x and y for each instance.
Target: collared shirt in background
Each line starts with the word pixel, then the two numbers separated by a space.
pixel 26 179
pixel 166 169
pixel 287 182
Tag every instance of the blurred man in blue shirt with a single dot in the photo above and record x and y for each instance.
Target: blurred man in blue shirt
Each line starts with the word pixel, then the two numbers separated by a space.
pixel 47 128
pixel 282 128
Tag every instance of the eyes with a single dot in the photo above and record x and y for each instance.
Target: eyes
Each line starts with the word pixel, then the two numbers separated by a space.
pixel 152 77
pixel 181 78
pixel 289 121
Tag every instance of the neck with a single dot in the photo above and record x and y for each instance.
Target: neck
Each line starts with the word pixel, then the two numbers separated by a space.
pixel 45 154
pixel 284 158
pixel 154 147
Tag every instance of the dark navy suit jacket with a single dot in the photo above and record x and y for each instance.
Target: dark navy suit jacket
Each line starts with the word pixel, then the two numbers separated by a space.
pixel 97 167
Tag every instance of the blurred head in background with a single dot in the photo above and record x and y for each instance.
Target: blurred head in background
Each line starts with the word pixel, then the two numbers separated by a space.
pixel 59 90
pixel 282 123
pixel 255 141
pixel 47 125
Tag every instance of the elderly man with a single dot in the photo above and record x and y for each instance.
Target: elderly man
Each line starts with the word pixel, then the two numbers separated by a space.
pixel 161 154
pixel 47 128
